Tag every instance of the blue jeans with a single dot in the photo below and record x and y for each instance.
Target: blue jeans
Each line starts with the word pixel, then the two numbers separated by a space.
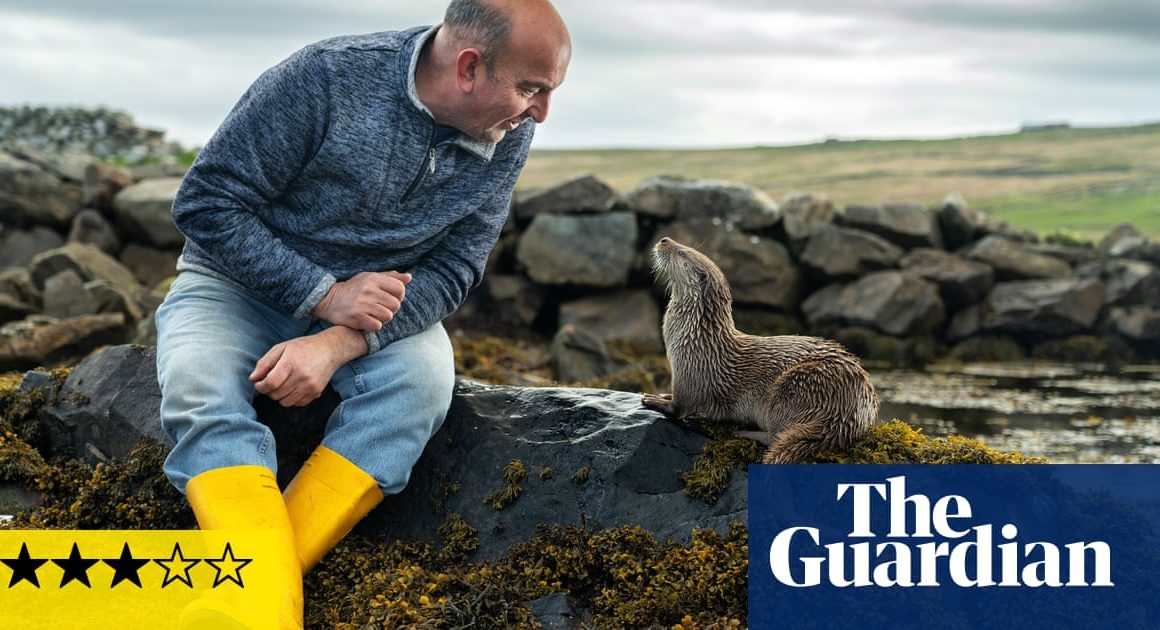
pixel 211 333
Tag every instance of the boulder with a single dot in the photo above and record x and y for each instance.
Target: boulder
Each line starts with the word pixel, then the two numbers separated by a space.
pixel 584 194
pixel 839 253
pixel 905 225
pixel 40 340
pixel 102 182
pixel 147 264
pixel 891 302
pixel 760 270
pixel 514 297
pixel 678 199
pixel 584 250
pixel 1118 233
pixel 1012 261
pixel 631 315
pixel 1140 322
pixel 144 210
pixel 960 282
pixel 30 195
pixel 17 284
pixel 579 354
pixel 1043 308
pixel 87 261
pixel 19 247
pixel 65 296
pixel 90 226
pixel 1137 247
pixel 801 215
pixel 957 222
pixel 1126 282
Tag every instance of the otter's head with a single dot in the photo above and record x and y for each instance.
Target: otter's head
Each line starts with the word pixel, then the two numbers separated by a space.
pixel 688 272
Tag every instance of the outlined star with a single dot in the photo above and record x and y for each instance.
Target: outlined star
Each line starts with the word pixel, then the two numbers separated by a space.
pixel 235 567
pixel 75 567
pixel 23 567
pixel 178 573
pixel 126 567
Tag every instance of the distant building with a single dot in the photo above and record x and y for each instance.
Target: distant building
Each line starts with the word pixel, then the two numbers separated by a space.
pixel 1054 125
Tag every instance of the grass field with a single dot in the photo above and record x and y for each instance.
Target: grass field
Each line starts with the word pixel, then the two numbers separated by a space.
pixel 1083 181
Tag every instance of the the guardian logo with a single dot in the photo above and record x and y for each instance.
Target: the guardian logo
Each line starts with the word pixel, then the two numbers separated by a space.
pixel 924 538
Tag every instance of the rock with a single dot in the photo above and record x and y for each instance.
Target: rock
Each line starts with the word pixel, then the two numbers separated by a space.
pixel 801 215
pixel 759 270
pixel 149 265
pixel 90 227
pixel 64 163
pixel 18 247
pixel 584 194
pixel 1126 282
pixel 1140 322
pixel 12 309
pixel 30 195
pixel 102 182
pixel 960 282
pixel 1117 234
pixel 65 296
pixel 144 210
pixel 905 225
pixel 1012 261
pixel 514 297
pixel 622 316
pixel 89 262
pixel 556 612
pixel 1043 308
pixel 957 222
pixel 631 457
pixel 39 340
pixel 578 354
pixel 966 323
pixel 679 199
pixel 108 404
pixel 892 302
pixel 1137 247
pixel 838 253
pixel 584 250
pixel 17 284
pixel 1073 255
pixel 107 298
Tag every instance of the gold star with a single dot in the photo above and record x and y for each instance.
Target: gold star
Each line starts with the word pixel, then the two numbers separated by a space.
pixel 179 572
pixel 228 567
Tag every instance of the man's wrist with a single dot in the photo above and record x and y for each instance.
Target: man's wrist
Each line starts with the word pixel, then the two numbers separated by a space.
pixel 348 343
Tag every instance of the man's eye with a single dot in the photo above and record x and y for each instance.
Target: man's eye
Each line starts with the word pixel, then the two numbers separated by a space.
pixel 528 92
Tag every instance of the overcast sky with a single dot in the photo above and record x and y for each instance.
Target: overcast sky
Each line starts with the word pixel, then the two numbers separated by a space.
pixel 644 73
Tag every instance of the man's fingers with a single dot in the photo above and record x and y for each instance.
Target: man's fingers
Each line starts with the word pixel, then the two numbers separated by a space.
pixel 276 378
pixel 267 363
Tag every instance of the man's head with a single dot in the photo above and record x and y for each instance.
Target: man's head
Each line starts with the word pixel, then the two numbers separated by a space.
pixel 507 57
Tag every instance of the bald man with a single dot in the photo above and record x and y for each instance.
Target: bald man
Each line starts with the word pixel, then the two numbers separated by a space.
pixel 346 205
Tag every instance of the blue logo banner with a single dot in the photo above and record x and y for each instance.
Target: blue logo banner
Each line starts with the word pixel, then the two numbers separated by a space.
pixel 954 546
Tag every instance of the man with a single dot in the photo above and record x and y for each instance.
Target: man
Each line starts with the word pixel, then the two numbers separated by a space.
pixel 345 206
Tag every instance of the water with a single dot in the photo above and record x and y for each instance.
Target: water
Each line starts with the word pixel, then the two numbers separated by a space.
pixel 1066 413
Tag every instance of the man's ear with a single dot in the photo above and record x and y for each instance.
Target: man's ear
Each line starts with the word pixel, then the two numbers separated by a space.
pixel 468 67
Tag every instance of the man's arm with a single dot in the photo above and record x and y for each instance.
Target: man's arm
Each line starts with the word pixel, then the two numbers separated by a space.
pixel 295 372
pixel 263 144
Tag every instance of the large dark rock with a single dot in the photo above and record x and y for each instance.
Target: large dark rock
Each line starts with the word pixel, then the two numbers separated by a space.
pixel 957 222
pixel 892 302
pixel 1126 281
pixel 631 315
pixel 679 199
pixel 960 282
pixel 584 194
pixel 31 195
pixel 1043 308
pixel 144 210
pixel 760 270
pixel 801 215
pixel 1012 261
pixel 87 261
pixel 584 250
pixel 838 253
pixel 595 458
pixel 18 247
pixel 905 225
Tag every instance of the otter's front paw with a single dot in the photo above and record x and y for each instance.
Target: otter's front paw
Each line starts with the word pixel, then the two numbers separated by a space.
pixel 659 402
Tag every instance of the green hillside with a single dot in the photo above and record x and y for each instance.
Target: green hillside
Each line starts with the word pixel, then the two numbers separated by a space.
pixel 1083 180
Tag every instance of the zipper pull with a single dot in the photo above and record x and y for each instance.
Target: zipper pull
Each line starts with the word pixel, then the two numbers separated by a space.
pixel 431 160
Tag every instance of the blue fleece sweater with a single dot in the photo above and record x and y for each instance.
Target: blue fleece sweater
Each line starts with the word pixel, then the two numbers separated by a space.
pixel 325 168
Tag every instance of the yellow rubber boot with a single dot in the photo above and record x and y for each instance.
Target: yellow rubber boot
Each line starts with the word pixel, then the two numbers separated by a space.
pixel 247 497
pixel 325 500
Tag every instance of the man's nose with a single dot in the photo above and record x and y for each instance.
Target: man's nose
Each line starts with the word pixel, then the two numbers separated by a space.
pixel 538 110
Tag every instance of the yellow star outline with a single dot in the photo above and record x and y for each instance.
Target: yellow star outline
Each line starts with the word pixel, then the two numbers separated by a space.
pixel 234 572
pixel 178 573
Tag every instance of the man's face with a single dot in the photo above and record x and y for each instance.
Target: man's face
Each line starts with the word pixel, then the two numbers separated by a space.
pixel 519 88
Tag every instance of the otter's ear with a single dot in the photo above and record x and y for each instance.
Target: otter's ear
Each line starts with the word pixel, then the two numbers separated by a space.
pixel 468 68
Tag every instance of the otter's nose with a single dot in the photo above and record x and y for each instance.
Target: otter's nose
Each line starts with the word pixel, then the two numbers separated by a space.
pixel 664 241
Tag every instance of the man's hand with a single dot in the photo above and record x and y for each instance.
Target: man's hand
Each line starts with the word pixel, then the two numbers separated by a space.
pixel 295 372
pixel 364 302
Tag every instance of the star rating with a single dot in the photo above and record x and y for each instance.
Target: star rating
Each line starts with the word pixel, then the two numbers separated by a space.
pixel 176 568
pixel 23 567
pixel 75 567
pixel 126 567
pixel 234 565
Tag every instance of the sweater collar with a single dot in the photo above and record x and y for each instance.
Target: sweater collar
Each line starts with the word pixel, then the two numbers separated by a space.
pixel 480 148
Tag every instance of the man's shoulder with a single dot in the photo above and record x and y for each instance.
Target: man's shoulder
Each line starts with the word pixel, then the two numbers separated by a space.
pixel 384 41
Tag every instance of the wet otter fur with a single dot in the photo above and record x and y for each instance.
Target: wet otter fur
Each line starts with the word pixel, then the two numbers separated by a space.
pixel 807 394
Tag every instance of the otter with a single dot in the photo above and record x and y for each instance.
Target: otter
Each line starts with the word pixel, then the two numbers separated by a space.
pixel 807 394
